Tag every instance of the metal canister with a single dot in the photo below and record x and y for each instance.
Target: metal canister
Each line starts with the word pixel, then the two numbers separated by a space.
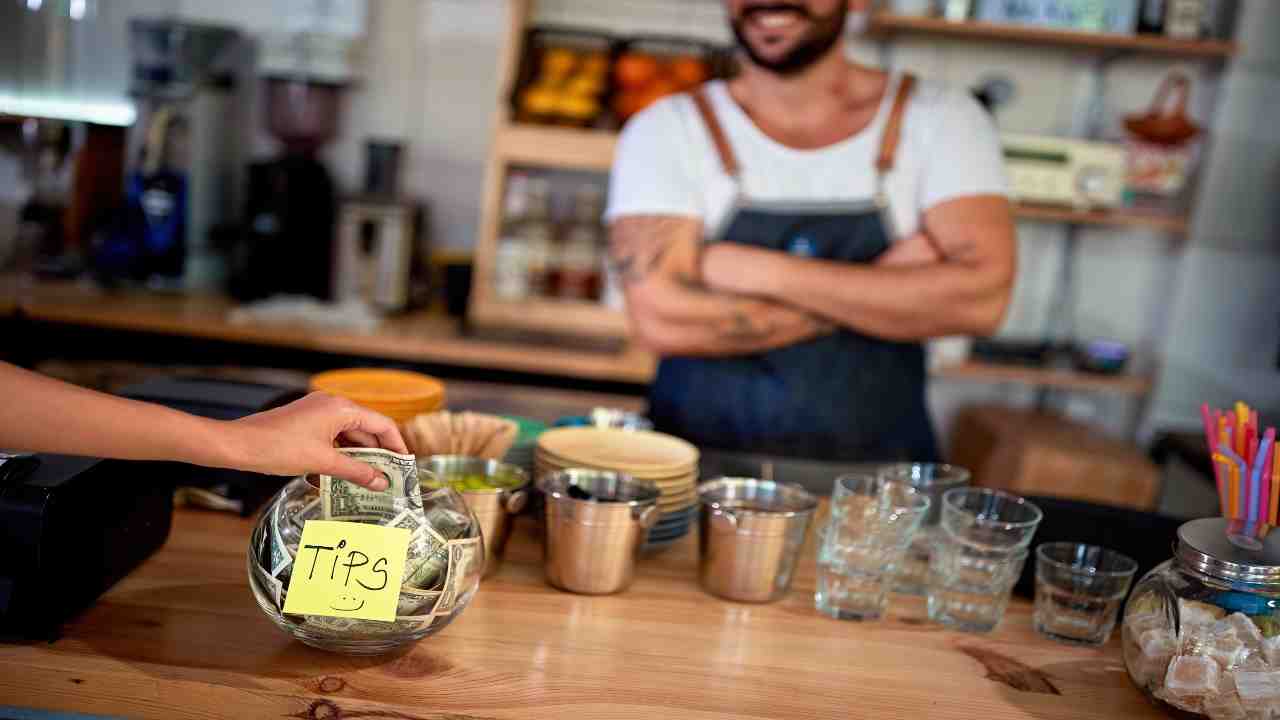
pixel 495 508
pixel 750 535
pixel 592 535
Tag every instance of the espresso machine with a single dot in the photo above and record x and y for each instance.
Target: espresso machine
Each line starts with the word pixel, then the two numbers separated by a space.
pixel 183 157
pixel 287 242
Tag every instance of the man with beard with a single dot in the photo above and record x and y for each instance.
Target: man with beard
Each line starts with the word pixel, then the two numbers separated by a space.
pixel 788 238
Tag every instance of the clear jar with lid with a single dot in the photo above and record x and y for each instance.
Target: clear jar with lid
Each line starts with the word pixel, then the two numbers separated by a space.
pixel 1201 631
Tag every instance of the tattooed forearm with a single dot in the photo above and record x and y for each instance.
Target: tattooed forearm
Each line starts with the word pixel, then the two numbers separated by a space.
pixel 638 246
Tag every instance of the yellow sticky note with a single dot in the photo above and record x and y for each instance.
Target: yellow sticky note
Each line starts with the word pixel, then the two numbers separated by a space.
pixel 346 569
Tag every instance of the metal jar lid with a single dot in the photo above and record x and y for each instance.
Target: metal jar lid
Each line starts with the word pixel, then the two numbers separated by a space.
pixel 1203 545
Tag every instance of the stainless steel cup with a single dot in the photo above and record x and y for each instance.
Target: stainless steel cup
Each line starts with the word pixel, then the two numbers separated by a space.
pixel 495 508
pixel 590 546
pixel 750 535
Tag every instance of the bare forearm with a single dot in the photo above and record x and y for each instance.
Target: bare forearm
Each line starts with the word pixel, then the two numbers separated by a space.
pixel 40 414
pixel 688 320
pixel 897 303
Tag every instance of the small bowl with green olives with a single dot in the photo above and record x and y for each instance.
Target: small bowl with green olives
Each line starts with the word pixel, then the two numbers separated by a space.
pixel 495 491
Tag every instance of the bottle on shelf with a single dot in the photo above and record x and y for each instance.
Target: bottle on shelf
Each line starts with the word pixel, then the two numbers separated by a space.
pixel 511 260
pixel 1151 17
pixel 580 272
pixel 538 231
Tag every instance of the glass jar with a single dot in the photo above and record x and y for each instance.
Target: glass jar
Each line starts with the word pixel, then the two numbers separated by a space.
pixel 1201 632
pixel 439 580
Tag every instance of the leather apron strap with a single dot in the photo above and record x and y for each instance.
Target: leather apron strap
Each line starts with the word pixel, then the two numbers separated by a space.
pixel 890 138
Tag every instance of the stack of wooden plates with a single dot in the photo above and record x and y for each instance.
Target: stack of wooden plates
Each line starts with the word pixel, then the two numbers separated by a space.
pixel 668 462
pixel 398 394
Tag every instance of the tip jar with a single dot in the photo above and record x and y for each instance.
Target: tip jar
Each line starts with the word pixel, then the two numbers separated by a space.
pixel 441 574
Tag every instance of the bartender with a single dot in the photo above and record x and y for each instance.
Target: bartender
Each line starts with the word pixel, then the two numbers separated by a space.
pixel 788 238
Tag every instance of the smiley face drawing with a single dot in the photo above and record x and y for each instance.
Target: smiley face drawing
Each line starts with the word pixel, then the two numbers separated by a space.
pixel 346 603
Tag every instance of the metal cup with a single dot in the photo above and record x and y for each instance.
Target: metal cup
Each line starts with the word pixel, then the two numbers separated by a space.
pixel 750 535
pixel 495 508
pixel 590 546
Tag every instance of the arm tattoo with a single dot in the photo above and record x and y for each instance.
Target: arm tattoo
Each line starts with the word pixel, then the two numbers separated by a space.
pixel 637 247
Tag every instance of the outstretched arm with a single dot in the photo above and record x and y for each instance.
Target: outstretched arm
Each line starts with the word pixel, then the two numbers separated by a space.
pixel 40 414
pixel 672 313
pixel 955 278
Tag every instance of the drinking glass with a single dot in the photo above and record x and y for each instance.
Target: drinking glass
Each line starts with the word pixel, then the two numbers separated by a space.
pixel 872 524
pixel 979 556
pixel 1079 590
pixel 911 576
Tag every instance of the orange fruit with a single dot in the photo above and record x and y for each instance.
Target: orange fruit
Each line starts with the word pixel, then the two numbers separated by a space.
pixel 634 71
pixel 688 72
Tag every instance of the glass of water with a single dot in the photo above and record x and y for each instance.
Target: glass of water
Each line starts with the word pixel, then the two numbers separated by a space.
pixel 911 575
pixel 872 524
pixel 979 556
pixel 1079 590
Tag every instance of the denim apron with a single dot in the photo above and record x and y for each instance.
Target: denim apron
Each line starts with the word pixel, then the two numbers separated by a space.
pixel 845 396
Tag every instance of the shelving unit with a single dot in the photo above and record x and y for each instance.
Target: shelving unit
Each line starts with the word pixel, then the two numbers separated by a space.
pixel 1061 379
pixel 888 24
pixel 549 147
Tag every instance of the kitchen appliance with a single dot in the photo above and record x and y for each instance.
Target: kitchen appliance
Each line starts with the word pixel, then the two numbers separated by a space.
pixel 72 527
pixel 1113 16
pixel 184 155
pixel 375 258
pixel 1064 171
pixel 291 206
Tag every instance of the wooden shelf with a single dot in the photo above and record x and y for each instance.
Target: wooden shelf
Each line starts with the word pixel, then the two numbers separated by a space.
pixel 1121 217
pixel 1136 385
pixel 886 24
pixel 570 149
pixel 567 317
pixel 556 147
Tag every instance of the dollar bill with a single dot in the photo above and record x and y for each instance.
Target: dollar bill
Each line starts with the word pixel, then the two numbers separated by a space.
pixel 417 602
pixel 269 585
pixel 310 511
pixel 281 555
pixel 466 560
pixel 340 499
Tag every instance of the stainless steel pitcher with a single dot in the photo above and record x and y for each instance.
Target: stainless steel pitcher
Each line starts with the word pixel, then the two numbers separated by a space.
pixel 495 508
pixel 590 545
pixel 750 535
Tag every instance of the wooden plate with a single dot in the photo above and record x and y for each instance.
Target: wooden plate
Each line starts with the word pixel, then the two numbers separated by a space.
pixel 639 453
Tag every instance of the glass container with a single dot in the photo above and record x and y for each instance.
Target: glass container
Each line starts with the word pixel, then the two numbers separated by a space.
pixel 441 575
pixel 1201 631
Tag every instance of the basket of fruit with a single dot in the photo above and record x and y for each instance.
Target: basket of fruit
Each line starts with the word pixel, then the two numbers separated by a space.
pixel 563 77
pixel 649 68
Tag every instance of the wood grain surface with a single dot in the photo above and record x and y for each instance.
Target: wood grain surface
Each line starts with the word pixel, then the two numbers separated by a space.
pixel 182 638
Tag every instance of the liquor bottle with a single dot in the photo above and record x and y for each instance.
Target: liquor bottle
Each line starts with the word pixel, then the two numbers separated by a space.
pixel 511 260
pixel 1151 17
pixel 580 261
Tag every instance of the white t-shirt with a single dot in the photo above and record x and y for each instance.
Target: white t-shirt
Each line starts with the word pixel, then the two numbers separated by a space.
pixel 666 163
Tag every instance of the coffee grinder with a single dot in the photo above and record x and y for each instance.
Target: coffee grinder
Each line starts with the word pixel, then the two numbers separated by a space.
pixel 291 205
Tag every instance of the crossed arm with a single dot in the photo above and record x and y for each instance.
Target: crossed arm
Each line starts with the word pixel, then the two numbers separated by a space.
pixel 673 313
pixel 953 277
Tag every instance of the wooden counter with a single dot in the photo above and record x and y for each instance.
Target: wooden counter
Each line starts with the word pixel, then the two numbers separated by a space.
pixel 183 638
pixel 422 337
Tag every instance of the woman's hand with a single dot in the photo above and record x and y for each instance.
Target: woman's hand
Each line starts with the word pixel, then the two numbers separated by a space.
pixel 299 438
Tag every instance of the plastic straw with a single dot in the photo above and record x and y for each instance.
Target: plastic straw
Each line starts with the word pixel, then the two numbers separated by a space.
pixel 1275 483
pixel 1257 495
pixel 1211 441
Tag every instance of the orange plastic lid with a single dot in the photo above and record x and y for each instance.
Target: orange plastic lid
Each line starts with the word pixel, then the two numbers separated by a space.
pixel 380 387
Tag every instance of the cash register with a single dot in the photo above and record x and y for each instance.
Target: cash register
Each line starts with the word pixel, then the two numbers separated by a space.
pixel 71 527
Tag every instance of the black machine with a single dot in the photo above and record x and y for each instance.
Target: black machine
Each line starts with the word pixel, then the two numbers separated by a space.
pixel 71 527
